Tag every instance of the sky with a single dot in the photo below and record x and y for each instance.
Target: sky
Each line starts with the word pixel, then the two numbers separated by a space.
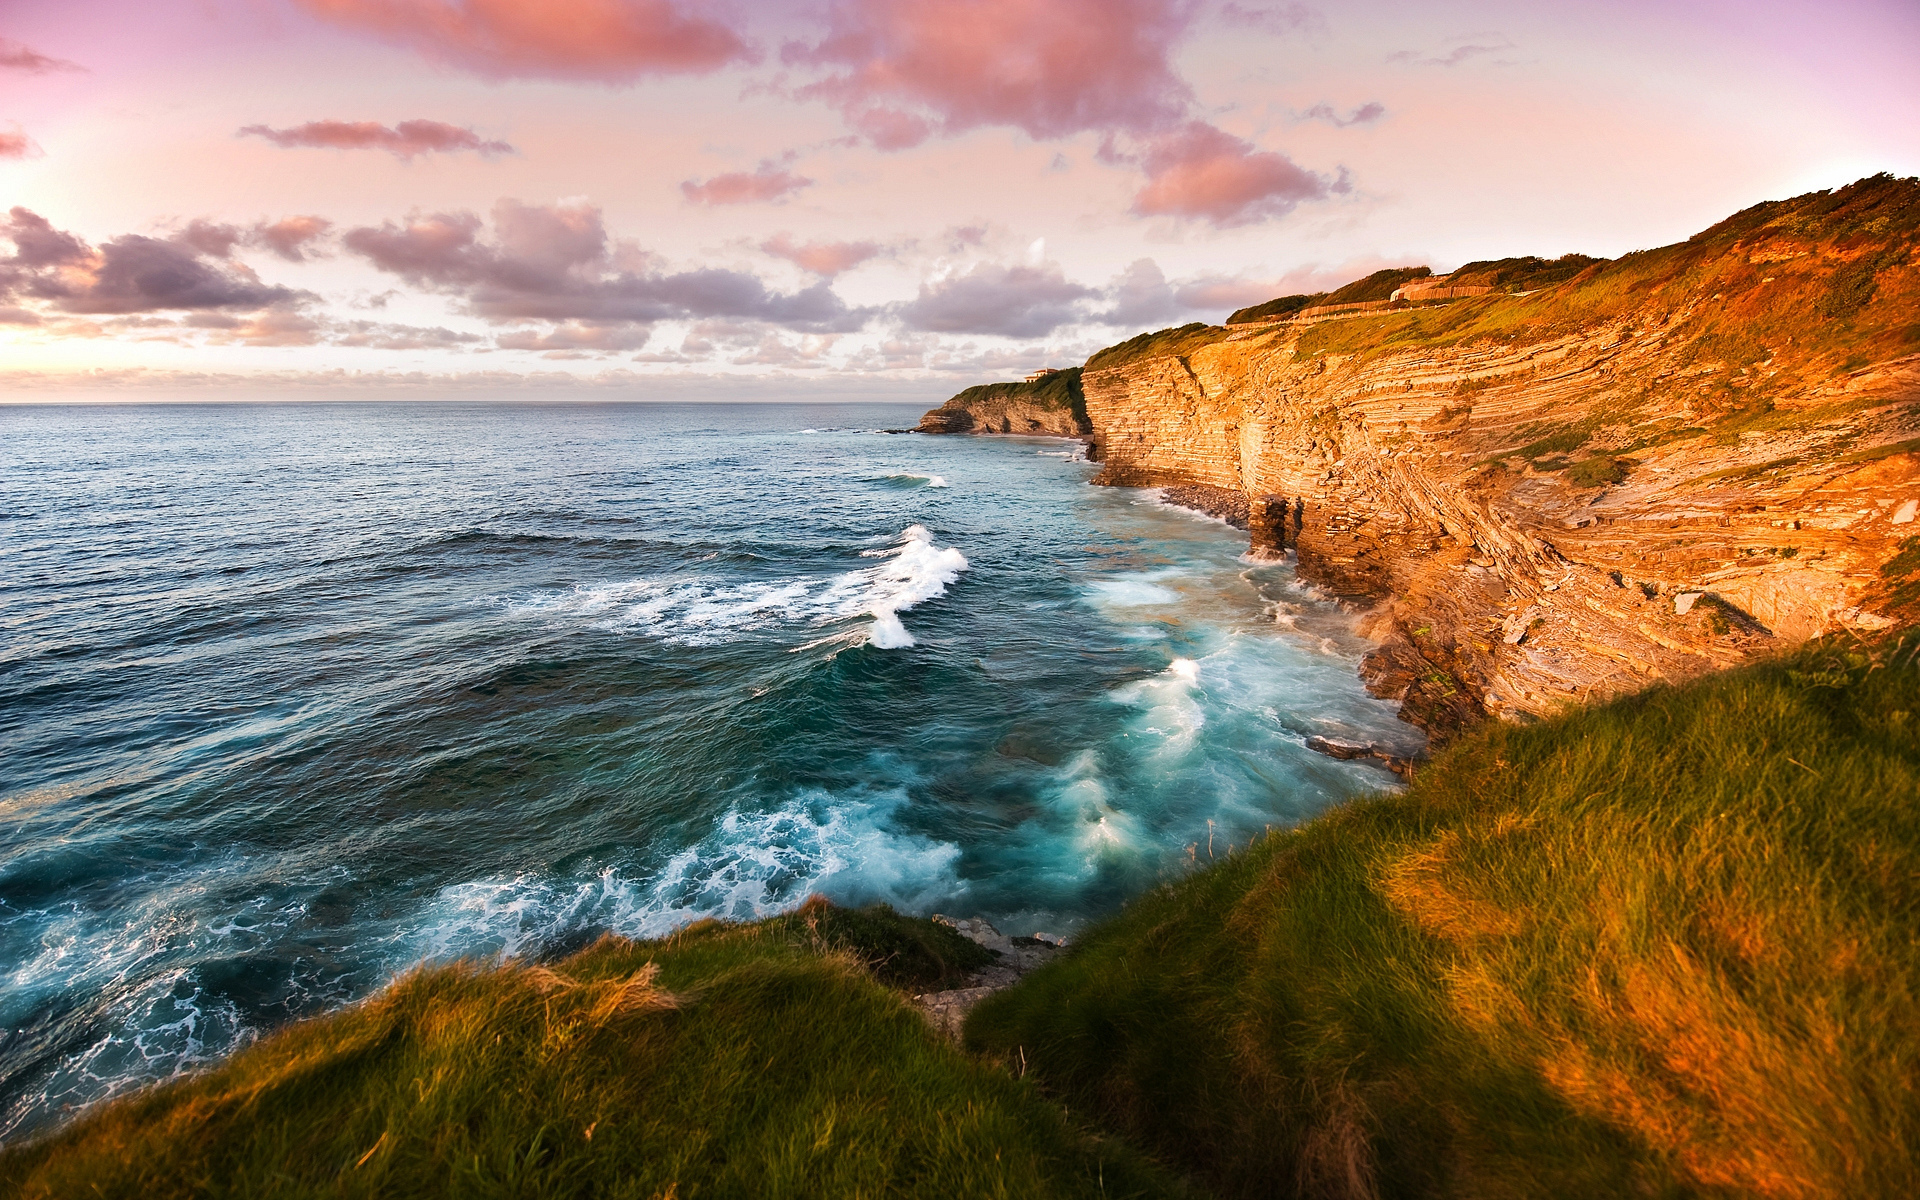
pixel 884 198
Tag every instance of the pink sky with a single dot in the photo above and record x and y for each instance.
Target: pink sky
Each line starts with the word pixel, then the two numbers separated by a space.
pixel 875 197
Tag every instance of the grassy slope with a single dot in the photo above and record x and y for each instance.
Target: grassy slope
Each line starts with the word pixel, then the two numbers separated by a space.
pixel 1817 284
pixel 1667 946
pixel 1057 392
pixel 751 1061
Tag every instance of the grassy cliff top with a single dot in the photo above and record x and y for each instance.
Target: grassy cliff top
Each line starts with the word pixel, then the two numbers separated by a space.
pixel 1808 287
pixel 1661 947
pixel 1058 392
pixel 726 1061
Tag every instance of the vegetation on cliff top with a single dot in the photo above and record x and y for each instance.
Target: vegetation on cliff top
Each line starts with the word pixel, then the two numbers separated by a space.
pixel 748 1061
pixel 1807 287
pixel 1058 392
pixel 1272 310
pixel 1663 946
pixel 1176 342
pixel 1378 286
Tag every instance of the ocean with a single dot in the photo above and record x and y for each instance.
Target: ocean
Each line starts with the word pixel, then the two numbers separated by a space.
pixel 296 696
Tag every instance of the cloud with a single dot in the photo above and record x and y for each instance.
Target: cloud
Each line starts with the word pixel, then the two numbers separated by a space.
pixel 1465 51
pixel 404 140
pixel 210 238
pixel 578 336
pixel 1201 172
pixel 991 298
pixel 770 184
pixel 290 237
pixel 1366 114
pixel 555 263
pixel 131 273
pixel 1052 68
pixel 1140 296
pixel 376 335
pixel 1274 18
pixel 608 41
pixel 826 259
pixel 14 143
pixel 16 57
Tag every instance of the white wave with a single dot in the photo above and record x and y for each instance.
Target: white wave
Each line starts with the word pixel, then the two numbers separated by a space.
pixel 913 478
pixel 701 611
pixel 1170 706
pixel 751 865
pixel 1130 593
pixel 917 570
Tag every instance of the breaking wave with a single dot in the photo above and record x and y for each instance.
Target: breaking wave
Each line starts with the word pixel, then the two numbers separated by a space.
pixel 701 610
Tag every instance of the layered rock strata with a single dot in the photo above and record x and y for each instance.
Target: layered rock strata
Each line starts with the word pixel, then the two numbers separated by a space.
pixel 1666 464
pixel 1052 406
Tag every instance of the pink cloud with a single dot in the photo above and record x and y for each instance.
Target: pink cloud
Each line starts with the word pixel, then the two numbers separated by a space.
pixel 1203 173
pixel 404 140
pixel 768 185
pixel 556 263
pixel 1011 301
pixel 611 41
pixel 16 57
pixel 131 273
pixel 1049 67
pixel 14 143
pixel 1366 114
pixel 822 258
pixel 289 237
pixel 1278 19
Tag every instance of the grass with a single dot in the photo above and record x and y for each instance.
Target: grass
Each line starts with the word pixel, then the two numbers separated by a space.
pixel 752 1061
pixel 1282 306
pixel 1598 471
pixel 1665 946
pixel 1058 392
pixel 1177 342
pixel 1817 284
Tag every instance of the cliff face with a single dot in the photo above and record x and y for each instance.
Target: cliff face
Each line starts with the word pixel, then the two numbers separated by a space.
pixel 1672 462
pixel 1053 405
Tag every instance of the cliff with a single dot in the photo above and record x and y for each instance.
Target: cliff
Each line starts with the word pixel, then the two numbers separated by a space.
pixel 1051 405
pixel 1664 464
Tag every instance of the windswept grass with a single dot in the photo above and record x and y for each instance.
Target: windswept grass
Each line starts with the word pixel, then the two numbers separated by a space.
pixel 727 1061
pixel 1666 946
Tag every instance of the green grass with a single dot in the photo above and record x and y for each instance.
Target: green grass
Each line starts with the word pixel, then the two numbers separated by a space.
pixel 1058 392
pixel 1177 342
pixel 1598 471
pixel 1281 306
pixel 1667 946
pixel 728 1061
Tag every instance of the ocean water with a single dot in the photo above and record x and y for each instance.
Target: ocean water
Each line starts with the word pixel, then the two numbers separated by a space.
pixel 293 697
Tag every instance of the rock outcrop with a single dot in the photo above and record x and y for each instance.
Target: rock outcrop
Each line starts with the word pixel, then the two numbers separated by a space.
pixel 1665 464
pixel 1050 406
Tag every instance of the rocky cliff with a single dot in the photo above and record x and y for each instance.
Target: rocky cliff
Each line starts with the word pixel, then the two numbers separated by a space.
pixel 1668 463
pixel 1051 405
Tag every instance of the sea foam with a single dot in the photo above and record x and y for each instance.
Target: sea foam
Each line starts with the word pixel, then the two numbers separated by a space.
pixel 700 610
pixel 750 865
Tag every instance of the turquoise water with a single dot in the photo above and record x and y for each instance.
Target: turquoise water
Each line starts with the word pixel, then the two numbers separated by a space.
pixel 295 696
